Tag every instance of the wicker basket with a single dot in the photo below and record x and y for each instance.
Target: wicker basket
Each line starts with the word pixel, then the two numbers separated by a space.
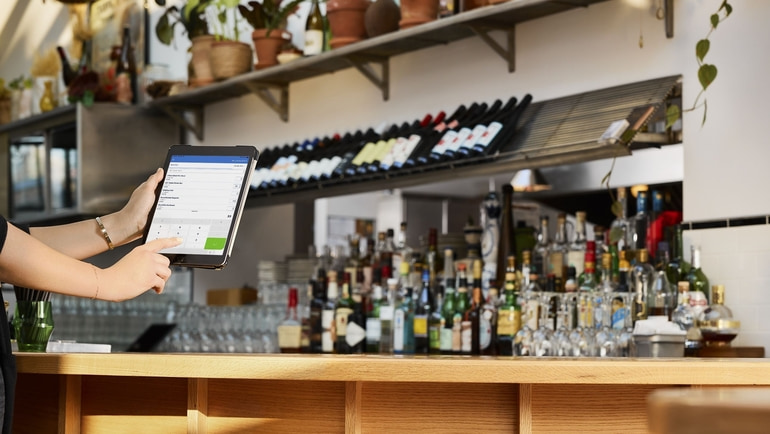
pixel 229 58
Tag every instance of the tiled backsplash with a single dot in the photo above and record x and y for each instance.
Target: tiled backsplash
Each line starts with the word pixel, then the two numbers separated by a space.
pixel 739 258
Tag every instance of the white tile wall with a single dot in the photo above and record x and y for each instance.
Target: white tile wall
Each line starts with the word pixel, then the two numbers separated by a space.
pixel 739 258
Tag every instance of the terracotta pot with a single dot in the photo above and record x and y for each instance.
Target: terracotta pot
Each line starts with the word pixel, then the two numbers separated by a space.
pixel 382 17
pixel 415 12
pixel 201 47
pixel 346 20
pixel 268 47
pixel 229 58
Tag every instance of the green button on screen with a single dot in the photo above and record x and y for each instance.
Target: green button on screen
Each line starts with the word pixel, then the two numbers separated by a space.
pixel 215 243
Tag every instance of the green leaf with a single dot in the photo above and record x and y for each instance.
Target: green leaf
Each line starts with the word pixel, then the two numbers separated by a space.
pixel 616 234
pixel 672 115
pixel 164 31
pixel 706 75
pixel 617 209
pixel 606 178
pixel 727 7
pixel 705 109
pixel 702 48
pixel 714 20
pixel 188 8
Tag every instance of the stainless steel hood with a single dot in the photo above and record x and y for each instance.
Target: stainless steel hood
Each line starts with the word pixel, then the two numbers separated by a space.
pixel 108 149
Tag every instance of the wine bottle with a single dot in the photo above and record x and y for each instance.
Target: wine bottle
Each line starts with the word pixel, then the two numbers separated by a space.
pixel 503 140
pixel 68 74
pixel 125 72
pixel 423 151
pixel 465 132
pixel 507 242
pixel 466 149
pixel 314 30
pixel 448 136
pixel 423 309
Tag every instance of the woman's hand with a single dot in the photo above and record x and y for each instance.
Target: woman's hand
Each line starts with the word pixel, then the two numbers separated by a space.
pixel 133 217
pixel 141 269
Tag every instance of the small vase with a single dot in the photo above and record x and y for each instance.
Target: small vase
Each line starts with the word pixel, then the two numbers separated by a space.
pixel 415 12
pixel 382 17
pixel 346 20
pixel 39 90
pixel 47 101
pixel 229 58
pixel 33 325
pixel 268 47
pixel 201 47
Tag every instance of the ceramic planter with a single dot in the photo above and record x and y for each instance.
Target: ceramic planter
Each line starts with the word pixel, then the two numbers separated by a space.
pixel 415 12
pixel 201 47
pixel 229 58
pixel 268 47
pixel 382 17
pixel 346 20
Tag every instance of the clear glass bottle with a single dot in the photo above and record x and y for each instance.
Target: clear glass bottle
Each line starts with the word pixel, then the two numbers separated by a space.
pixel 541 256
pixel 290 329
pixel 642 274
pixel 619 229
pixel 577 248
pixel 490 223
pixel 387 314
pixel 373 320
pixel 328 337
pixel 717 310
pixel 640 222
pixel 558 252
pixel 661 301
pixel 489 318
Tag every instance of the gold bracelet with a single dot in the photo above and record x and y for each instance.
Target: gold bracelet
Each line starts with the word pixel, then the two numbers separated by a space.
pixel 96 275
pixel 104 233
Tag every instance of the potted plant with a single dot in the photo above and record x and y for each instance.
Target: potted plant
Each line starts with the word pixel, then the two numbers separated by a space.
pixel 346 20
pixel 192 17
pixel 268 19
pixel 229 57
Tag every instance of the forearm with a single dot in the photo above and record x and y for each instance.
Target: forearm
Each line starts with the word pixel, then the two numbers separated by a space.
pixel 84 239
pixel 28 262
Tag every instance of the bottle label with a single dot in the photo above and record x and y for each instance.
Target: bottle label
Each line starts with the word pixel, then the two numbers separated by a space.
pixel 443 144
pixel 355 334
pixel 446 339
pixel 619 316
pixel 420 326
pixel 576 258
pixel 314 42
pixel 585 311
pixel 533 314
pixel 556 265
pixel 398 331
pixel 341 320
pixel 457 336
pixel 373 329
pixel 485 332
pixel 459 139
pixel 490 134
pixel 508 322
pixel 465 336
pixel 386 313
pixel 473 138
pixel 289 336
pixel 434 335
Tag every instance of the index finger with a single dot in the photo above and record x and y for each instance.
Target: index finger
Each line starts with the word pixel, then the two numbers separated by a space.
pixel 163 243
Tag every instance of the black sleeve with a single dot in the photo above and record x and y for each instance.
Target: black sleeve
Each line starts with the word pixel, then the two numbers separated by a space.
pixel 7 359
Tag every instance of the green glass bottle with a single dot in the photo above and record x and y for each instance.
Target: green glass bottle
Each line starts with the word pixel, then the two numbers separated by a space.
pixel 342 311
pixel 509 313
pixel 698 280
pixel 448 304
pixel 462 303
pixel 435 326
pixel 677 269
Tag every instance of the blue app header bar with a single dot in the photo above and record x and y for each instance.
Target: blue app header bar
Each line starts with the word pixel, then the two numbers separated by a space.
pixel 229 159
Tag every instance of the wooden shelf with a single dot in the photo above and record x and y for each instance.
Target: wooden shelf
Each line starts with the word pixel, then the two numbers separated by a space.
pixel 369 54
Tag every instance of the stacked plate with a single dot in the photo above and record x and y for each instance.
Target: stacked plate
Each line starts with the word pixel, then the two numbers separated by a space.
pixel 271 271
pixel 301 269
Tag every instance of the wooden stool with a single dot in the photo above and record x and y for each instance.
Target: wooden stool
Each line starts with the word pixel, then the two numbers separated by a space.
pixel 733 410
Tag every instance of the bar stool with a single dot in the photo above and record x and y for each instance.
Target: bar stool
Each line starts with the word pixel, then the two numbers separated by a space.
pixel 723 410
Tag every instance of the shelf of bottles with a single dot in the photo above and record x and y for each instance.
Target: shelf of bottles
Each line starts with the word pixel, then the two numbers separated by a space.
pixel 478 139
pixel 440 32
pixel 556 296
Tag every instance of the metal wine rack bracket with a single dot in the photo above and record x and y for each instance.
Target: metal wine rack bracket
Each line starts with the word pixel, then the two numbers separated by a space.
pixel 668 16
pixel 279 103
pixel 509 53
pixel 177 114
pixel 364 65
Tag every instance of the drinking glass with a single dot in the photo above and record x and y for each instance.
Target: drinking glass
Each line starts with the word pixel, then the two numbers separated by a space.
pixel 33 325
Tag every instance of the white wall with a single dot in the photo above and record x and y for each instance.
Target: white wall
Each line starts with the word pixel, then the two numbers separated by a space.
pixel 577 51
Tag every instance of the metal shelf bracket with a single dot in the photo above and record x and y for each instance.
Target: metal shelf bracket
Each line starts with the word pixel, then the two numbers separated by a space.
pixel 668 16
pixel 364 65
pixel 266 92
pixel 509 53
pixel 178 115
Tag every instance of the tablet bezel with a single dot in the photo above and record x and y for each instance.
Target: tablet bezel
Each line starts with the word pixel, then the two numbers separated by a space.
pixel 216 262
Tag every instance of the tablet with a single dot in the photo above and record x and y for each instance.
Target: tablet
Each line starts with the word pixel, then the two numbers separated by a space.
pixel 201 200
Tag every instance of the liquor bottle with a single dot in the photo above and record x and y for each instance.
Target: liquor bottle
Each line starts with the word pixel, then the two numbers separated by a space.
pixel 290 329
pixel 314 30
pixel 432 257
pixel 387 313
pixel 677 269
pixel 541 256
pixel 403 322
pixel 661 301
pixel 577 248
pixel 481 330
pixel 402 251
pixel 686 318
pixel 620 231
pixel 448 305
pixel 642 274
pixel 587 292
pixel 606 290
pixel 655 226
pixel 640 222
pixel 374 320
pixel 699 283
pixel 490 223
pixel 471 325
pixel 599 240
pixel 316 311
pixel 125 72
pixel 355 332
pixel 329 337
pixel 68 74
pixel 423 309
pixel 462 304
pixel 557 253
pixel 509 313
pixel 530 293
pixel 489 319
pixel 507 243
pixel 342 311
pixel 717 310
pixel 436 325
pixel 621 316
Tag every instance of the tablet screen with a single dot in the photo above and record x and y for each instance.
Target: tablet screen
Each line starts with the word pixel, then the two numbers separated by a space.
pixel 200 201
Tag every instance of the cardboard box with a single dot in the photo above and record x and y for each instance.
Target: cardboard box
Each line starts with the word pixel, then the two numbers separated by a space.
pixel 231 296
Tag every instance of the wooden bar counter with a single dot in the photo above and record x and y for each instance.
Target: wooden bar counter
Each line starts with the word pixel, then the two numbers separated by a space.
pixel 244 393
